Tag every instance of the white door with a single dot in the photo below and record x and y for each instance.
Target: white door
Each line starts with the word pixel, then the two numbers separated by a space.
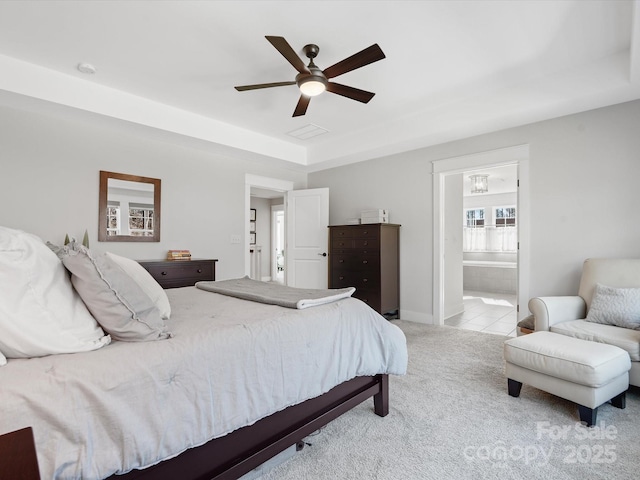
pixel 307 213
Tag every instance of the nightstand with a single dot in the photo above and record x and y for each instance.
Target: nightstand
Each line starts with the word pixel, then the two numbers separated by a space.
pixel 180 273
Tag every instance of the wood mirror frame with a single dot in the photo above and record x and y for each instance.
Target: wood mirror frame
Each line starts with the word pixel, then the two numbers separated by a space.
pixel 102 207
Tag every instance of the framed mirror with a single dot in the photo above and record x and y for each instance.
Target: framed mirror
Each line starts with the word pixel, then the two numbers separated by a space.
pixel 129 208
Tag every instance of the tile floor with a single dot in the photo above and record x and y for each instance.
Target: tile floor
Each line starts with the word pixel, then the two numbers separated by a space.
pixel 487 312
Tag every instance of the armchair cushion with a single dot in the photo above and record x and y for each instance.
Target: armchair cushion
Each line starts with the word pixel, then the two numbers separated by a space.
pixel 615 306
pixel 623 338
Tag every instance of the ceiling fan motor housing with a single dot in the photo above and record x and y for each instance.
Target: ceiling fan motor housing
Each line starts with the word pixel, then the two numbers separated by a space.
pixel 314 75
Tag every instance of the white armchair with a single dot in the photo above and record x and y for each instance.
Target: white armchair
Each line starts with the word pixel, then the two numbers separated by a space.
pixel 566 314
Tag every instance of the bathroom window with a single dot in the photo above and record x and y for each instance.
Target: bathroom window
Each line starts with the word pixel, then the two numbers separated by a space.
pixel 505 216
pixel 141 220
pixel 474 217
pixel 113 218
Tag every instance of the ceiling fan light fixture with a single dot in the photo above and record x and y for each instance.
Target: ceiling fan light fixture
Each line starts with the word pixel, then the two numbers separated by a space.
pixel 312 86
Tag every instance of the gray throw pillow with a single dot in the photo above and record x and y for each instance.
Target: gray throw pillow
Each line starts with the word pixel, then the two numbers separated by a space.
pixel 615 306
pixel 114 299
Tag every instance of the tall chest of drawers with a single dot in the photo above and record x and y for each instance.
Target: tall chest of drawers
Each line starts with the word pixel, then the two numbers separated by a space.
pixel 367 257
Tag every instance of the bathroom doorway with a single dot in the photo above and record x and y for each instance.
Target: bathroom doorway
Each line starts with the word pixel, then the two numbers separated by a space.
pixel 487 222
pixel 448 176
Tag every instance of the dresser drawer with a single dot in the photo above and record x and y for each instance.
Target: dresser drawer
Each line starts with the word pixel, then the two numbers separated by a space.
pixel 341 261
pixel 342 280
pixel 180 273
pixel 370 297
pixel 342 244
pixel 338 233
pixel 366 244
pixel 366 232
pixel 365 263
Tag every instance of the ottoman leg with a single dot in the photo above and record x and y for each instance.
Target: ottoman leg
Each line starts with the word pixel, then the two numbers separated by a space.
pixel 588 415
pixel 620 401
pixel 514 387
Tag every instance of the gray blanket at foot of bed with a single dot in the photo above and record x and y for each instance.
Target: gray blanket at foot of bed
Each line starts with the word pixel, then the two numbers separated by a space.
pixel 276 294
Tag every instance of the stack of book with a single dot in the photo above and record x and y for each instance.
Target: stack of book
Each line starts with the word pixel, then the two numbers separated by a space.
pixel 178 255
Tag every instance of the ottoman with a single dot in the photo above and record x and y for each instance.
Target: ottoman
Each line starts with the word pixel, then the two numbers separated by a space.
pixel 587 373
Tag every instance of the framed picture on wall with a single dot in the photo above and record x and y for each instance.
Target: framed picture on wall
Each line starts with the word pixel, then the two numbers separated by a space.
pixel 252 215
pixel 252 238
pixel 252 227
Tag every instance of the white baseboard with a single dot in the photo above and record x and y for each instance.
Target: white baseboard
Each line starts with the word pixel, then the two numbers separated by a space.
pixel 455 310
pixel 266 279
pixel 418 317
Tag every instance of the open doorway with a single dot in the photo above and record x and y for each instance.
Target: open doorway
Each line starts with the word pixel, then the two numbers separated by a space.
pixel 266 243
pixel 278 244
pixel 260 194
pixel 487 219
pixel 448 175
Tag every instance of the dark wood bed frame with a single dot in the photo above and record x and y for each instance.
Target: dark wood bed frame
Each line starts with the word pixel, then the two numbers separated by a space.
pixel 241 451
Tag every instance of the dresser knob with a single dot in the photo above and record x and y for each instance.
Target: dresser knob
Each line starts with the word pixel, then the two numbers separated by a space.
pixel 341 261
pixel 163 273
pixel 365 261
pixel 199 270
pixel 366 243
pixel 365 280
pixel 341 278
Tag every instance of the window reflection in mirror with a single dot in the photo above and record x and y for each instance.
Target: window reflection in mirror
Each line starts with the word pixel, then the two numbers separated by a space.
pixel 129 208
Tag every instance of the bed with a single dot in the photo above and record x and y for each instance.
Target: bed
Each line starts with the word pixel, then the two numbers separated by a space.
pixel 234 383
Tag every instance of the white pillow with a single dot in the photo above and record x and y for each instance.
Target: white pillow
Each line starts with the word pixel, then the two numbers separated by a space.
pixel 615 306
pixel 116 301
pixel 40 312
pixel 146 282
pixel 3 359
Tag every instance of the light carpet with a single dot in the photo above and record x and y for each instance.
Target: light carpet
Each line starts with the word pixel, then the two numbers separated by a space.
pixel 451 418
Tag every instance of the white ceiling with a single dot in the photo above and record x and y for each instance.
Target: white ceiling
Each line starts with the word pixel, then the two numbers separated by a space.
pixel 453 69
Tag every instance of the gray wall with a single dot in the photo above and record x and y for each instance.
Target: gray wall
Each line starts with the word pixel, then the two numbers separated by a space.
pixel 49 186
pixel 583 171
pixel 583 197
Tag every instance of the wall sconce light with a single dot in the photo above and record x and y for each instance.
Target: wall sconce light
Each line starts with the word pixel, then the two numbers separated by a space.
pixel 479 183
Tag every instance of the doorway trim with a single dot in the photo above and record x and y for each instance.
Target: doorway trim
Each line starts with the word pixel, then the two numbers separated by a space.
pixel 268 183
pixel 518 155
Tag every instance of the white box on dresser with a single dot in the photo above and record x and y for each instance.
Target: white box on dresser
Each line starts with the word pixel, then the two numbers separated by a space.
pixel 374 216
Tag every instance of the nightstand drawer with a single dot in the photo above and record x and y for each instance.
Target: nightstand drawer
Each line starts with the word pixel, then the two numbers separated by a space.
pixel 180 273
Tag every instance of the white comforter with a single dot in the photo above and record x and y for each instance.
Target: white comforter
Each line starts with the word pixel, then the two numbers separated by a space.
pixel 230 363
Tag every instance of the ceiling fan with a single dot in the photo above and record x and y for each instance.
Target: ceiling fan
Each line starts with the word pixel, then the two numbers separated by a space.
pixel 312 81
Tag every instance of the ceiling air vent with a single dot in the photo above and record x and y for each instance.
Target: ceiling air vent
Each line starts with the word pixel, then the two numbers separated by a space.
pixel 307 132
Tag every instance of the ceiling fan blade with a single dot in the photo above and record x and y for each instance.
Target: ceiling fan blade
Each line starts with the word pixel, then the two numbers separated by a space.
pixel 350 92
pixel 242 88
pixel 360 59
pixel 287 52
pixel 301 108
